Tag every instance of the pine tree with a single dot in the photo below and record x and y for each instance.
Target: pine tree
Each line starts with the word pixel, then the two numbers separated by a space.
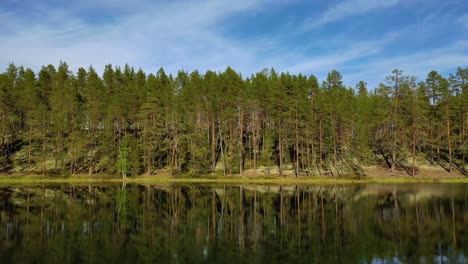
pixel 93 93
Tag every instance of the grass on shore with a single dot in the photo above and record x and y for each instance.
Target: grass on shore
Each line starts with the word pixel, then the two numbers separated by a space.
pixel 35 179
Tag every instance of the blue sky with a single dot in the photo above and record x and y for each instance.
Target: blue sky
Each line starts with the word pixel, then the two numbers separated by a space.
pixel 363 39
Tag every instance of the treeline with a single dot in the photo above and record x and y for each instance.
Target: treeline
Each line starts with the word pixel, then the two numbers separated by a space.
pixel 132 123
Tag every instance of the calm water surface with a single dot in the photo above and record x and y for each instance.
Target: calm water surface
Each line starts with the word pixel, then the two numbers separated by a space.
pixel 407 223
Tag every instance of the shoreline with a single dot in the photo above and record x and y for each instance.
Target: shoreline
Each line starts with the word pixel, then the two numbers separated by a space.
pixel 233 179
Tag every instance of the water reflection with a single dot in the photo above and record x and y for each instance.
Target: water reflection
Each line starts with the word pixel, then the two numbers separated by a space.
pixel 234 224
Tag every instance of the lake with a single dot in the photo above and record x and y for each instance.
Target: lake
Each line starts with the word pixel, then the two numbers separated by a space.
pixel 193 223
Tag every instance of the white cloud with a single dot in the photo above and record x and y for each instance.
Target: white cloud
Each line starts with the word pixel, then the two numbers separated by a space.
pixel 347 8
pixel 174 35
pixel 190 35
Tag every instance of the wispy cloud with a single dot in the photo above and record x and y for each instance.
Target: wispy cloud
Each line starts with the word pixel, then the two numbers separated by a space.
pixel 356 50
pixel 464 21
pixel 173 34
pixel 347 8
pixel 442 59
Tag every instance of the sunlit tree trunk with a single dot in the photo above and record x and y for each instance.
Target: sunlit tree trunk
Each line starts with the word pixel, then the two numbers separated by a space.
pixel 241 140
pixel 297 145
pixel 449 142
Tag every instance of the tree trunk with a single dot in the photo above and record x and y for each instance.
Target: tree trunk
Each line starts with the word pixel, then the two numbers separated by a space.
pixel 307 150
pixel 414 137
pixel 223 154
pixel 463 139
pixel 320 144
pixel 394 128
pixel 312 135
pixel 91 165
pixel 213 145
pixel 43 156
pixel 255 145
pixel 297 146
pixel 393 167
pixel 3 136
pixel 334 140
pixel 414 151
pixel 173 153
pixel 280 143
pixel 29 147
pixel 44 134
pixel 449 143
pixel 241 140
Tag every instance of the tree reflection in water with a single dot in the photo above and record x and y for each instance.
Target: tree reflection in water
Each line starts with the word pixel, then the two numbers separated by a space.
pixel 372 223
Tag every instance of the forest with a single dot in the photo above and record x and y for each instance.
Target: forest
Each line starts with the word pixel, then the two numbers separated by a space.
pixel 128 122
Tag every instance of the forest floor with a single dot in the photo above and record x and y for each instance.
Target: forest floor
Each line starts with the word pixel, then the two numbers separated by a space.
pixel 374 174
pixel 423 172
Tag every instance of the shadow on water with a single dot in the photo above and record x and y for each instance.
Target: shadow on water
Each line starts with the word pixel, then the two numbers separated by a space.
pixel 372 223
